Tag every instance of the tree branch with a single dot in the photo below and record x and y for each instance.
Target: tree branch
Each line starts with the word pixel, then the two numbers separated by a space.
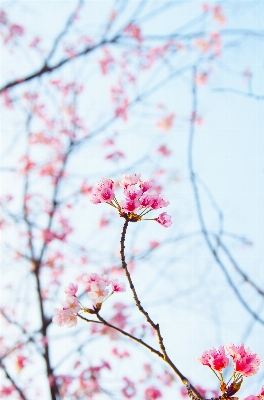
pixel 156 327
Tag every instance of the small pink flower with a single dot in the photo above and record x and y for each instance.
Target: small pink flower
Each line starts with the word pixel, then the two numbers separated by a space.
pixel 64 317
pixel 145 186
pixel 146 200
pixel 94 198
pixel 164 150
pixel 129 205
pixel 153 244
pixel 252 397
pixel 88 279
pixel 98 291
pixel 152 393
pixel 159 202
pixel 164 219
pixel 71 289
pixel 244 361
pixel 106 183
pixel 71 304
pixel 215 359
pixel 132 192
pixel 165 124
pixel 129 390
pixel 58 319
pixel 118 286
pixel 106 194
pixel 129 180
pixel 103 192
pixel 261 394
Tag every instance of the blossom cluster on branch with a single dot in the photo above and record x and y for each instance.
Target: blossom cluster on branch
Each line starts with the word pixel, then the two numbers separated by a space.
pixel 96 288
pixel 139 200
pixel 245 364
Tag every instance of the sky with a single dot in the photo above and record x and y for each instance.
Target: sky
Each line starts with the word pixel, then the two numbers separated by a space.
pixel 227 155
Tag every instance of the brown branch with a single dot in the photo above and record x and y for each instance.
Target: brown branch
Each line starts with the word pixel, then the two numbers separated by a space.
pixel 156 327
pixel 48 69
pixel 132 287
pixel 104 322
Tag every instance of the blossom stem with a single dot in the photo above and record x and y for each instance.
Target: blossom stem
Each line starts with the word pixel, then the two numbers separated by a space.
pixel 107 297
pixel 215 374
pixel 111 204
pixel 146 212
pixel 118 205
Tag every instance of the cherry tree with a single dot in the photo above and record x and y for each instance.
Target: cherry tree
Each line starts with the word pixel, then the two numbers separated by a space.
pixel 113 111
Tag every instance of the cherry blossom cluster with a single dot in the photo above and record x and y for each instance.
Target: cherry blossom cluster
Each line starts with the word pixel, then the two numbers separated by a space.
pixel 138 199
pixel 245 364
pixel 96 288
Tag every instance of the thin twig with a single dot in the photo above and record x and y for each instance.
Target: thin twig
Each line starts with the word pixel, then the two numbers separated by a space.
pixel 8 376
pixel 196 193
pixel 156 327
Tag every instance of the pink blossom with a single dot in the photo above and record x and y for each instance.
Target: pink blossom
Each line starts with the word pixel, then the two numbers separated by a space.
pixel 71 289
pixel 118 286
pixel 244 361
pixel 94 198
pixel 103 192
pixel 252 397
pixel 153 244
pixel 129 390
pixel 215 359
pixel 64 317
pixel 7 390
pixel 164 219
pixel 152 393
pixel 165 124
pixel 97 291
pixel 261 393
pixel 16 30
pixel 106 62
pixel 163 149
pixel 159 202
pixel 129 180
pixel 129 205
pixel 21 362
pixel 106 194
pixel 48 235
pixel 146 200
pixel 88 279
pixel 132 192
pixel 134 32
pixel 71 304
pixel 120 354
pixel 145 186
pixel 115 156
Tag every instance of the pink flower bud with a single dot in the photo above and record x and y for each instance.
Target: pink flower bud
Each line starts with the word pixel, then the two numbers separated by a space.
pixel 118 286
pixel 164 219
